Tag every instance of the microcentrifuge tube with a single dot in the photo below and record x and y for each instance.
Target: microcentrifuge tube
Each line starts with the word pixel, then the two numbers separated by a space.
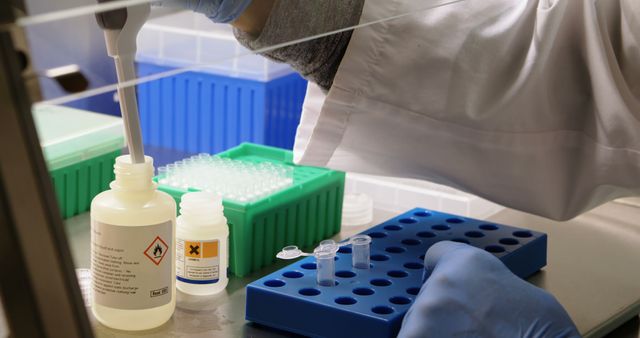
pixel 325 264
pixel 360 248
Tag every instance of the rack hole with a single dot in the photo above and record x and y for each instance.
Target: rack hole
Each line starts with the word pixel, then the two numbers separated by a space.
pixel 413 291
pixel 345 274
pixel 408 221
pixel 393 227
pixel 382 310
pixel 441 227
pixel 489 227
pixel 421 257
pixel 411 241
pixel 309 292
pixel 363 291
pixel 495 249
pixel 379 258
pixel 509 241
pixel 474 234
pixel 308 266
pixel 293 274
pixel 380 282
pixel 395 249
pixel 400 300
pixel 377 234
pixel 344 250
pixel 461 240
pixel 422 214
pixel 274 283
pixel 522 234
pixel 413 265
pixel 397 274
pixel 455 220
pixel 426 234
pixel 345 300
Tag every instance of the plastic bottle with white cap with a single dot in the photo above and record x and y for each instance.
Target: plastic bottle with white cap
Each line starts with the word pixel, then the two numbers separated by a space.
pixel 132 247
pixel 202 245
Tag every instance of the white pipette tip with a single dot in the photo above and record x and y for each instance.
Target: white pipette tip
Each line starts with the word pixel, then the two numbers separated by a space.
pixel 236 180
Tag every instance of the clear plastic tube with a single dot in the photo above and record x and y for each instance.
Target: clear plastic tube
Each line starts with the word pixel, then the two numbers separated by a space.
pixel 325 254
pixel 360 251
pixel 325 265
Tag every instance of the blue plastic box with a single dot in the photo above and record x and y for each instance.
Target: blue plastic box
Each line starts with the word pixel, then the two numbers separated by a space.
pixel 227 97
pixel 201 112
pixel 371 303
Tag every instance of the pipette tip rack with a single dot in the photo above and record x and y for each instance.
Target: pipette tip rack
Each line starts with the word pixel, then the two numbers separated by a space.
pixel 288 205
pixel 235 180
pixel 372 302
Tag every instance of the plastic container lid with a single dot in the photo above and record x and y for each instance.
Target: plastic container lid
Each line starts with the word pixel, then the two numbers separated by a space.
pixel 187 39
pixel 397 194
pixel 357 209
pixel 69 136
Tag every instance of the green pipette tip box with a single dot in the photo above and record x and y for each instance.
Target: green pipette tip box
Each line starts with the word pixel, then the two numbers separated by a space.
pixel 80 148
pixel 302 214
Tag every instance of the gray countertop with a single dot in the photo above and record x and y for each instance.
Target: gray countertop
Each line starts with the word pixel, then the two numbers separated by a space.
pixel 592 269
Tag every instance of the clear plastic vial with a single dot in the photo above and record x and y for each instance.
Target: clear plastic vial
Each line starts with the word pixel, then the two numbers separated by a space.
pixel 360 251
pixel 132 248
pixel 202 250
pixel 325 255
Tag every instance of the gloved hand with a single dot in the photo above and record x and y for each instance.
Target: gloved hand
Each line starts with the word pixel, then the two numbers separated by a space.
pixel 470 293
pixel 220 11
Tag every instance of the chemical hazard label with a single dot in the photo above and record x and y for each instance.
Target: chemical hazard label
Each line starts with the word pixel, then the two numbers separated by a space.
pixel 197 262
pixel 206 249
pixel 132 265
pixel 156 250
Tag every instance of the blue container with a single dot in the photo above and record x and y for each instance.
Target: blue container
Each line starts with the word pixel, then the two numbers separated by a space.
pixel 205 112
pixel 371 303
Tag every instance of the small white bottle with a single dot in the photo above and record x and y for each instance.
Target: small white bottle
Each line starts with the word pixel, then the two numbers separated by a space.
pixel 202 245
pixel 132 248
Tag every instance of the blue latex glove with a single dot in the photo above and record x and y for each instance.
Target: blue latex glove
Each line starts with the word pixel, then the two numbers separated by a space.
pixel 471 293
pixel 220 11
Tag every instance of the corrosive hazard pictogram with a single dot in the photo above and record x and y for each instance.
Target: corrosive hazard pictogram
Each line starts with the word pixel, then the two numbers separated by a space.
pixel 156 250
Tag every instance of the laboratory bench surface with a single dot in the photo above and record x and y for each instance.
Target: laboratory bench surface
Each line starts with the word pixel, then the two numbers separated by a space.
pixel 592 270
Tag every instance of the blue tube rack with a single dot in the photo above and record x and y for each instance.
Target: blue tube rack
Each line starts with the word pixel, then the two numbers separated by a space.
pixel 204 112
pixel 371 303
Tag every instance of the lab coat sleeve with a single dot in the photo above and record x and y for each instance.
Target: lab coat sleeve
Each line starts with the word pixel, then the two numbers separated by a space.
pixel 318 59
pixel 531 104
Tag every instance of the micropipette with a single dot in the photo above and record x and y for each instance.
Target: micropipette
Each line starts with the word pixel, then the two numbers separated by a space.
pixel 121 27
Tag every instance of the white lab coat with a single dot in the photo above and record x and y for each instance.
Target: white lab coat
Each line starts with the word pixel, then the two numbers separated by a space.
pixel 533 104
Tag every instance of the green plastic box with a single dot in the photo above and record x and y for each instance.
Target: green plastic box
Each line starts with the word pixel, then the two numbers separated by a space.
pixel 80 148
pixel 303 214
